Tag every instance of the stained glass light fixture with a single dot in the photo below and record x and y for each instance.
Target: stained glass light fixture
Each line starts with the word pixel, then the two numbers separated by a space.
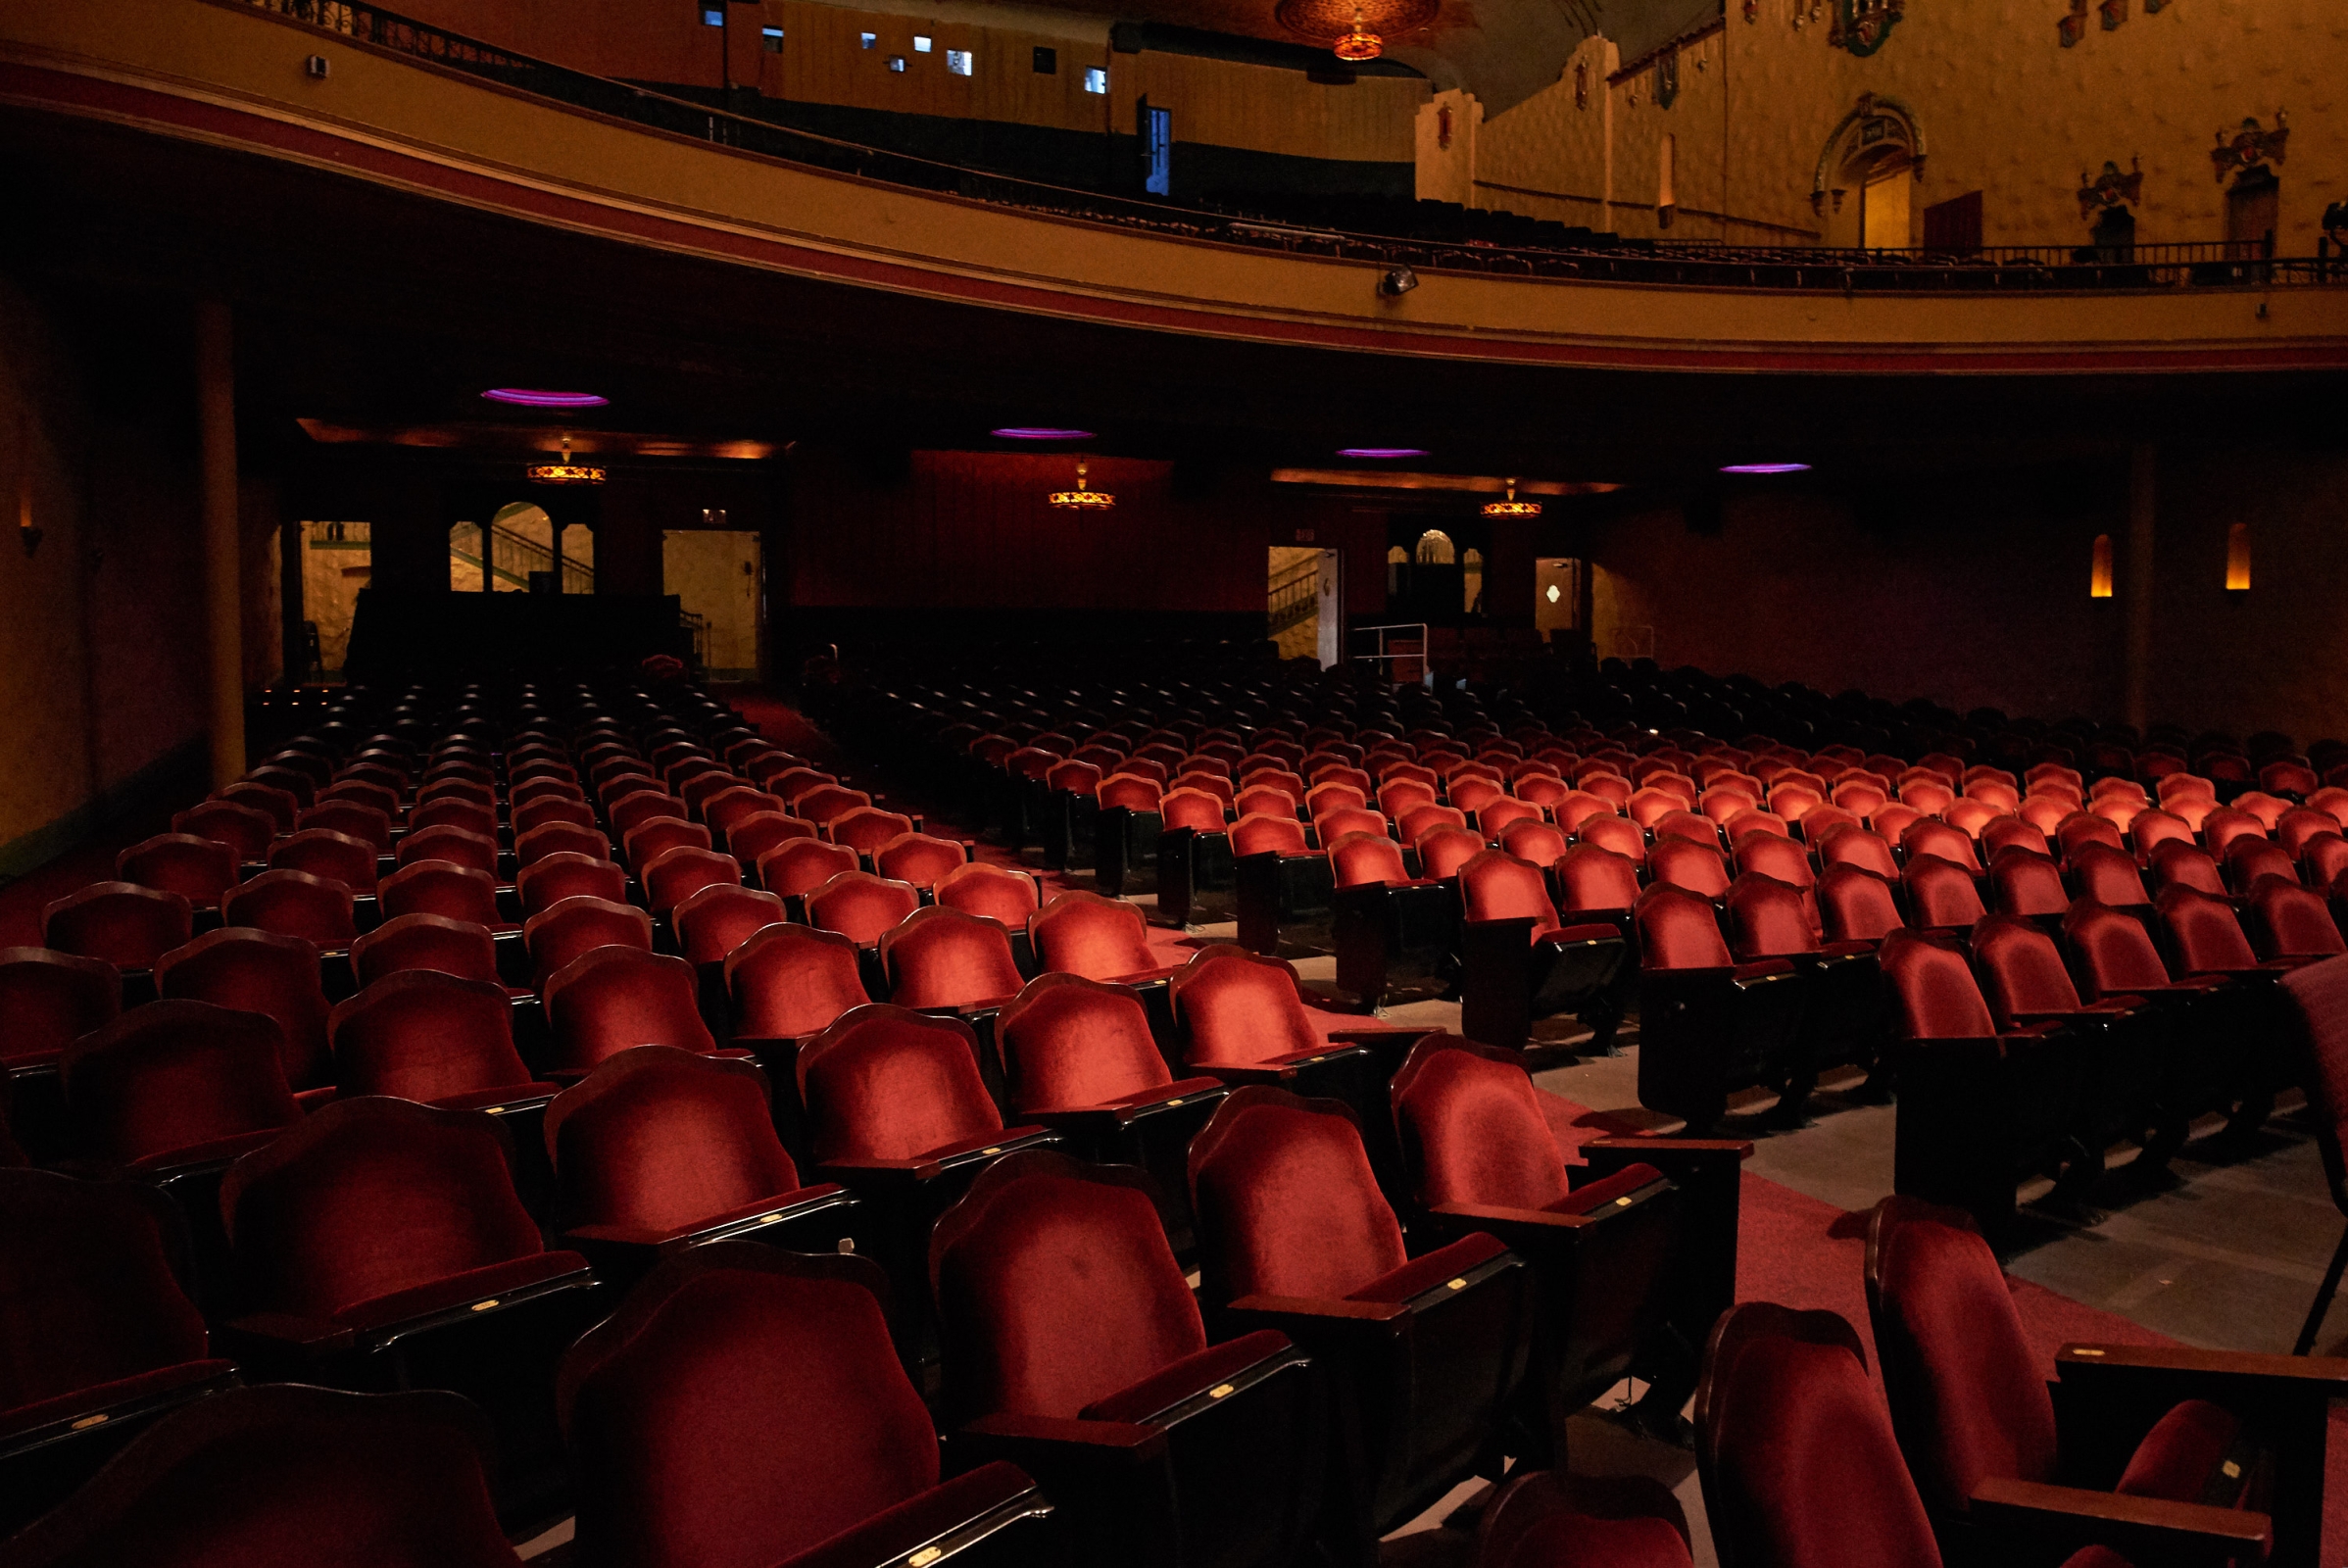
pixel 1084 497
pixel 1512 506
pixel 1360 43
pixel 566 471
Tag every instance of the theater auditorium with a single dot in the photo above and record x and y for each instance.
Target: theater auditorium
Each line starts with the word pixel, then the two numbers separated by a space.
pixel 1198 783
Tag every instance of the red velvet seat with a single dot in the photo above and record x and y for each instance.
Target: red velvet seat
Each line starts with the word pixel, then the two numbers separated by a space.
pixel 718 918
pixel 1941 894
pixel 100 1337
pixel 2247 859
pixel 1540 843
pixel 1693 867
pixel 1950 844
pixel 246 831
pixel 867 828
pixel 888 1090
pixel 436 887
pixel 676 874
pixel 1331 826
pixel 454 845
pixel 660 1150
pixel 48 999
pixel 295 903
pixel 1618 835
pixel 1841 1021
pixel 2226 824
pixel 1072 1346
pixel 475 812
pixel 336 856
pixel 257 971
pixel 425 942
pixel 199 871
pixel 1443 849
pixel 1707 1024
pixel 919 858
pixel 751 837
pixel 2285 920
pixel 941 958
pixel 177 1083
pixel 1857 847
pixel 2024 883
pixel 791 981
pixel 1295 1236
pixel 573 927
pixel 861 907
pixel 283 1475
pixel 825 801
pixel 632 813
pixel 560 838
pixel 352 820
pixel 548 810
pixel 997 892
pixel 278 805
pixel 1547 1519
pixel 729 808
pixel 797 867
pixel 436 1038
pixel 1701 831
pixel 382 1242
pixel 1085 934
pixel 1974 1413
pixel 1519 961
pixel 718 1339
pixel 2009 832
pixel 565 874
pixel 612 998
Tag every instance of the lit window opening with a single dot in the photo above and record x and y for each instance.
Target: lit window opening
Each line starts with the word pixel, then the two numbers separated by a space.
pixel 957 62
pixel 921 43
pixel 1095 79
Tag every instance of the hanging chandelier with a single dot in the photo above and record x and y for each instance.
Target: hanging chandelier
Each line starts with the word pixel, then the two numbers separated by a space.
pixel 566 471
pixel 1083 498
pixel 1512 506
pixel 1361 43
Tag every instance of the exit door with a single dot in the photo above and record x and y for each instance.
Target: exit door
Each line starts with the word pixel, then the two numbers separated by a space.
pixel 1158 150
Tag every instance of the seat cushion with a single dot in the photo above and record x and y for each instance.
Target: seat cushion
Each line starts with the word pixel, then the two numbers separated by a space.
pixel 493 1279
pixel 1422 1274
pixel 161 1381
pixel 1194 1374
pixel 2181 1453
pixel 1598 1194
pixel 1578 1540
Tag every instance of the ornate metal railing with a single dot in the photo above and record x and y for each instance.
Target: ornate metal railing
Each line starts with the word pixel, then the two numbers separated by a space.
pixel 1603 258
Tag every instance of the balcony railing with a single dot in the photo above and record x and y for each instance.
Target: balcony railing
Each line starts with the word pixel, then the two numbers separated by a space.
pixel 1603 258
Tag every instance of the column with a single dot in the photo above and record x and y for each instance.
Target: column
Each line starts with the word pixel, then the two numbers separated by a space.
pixel 216 411
pixel 2142 495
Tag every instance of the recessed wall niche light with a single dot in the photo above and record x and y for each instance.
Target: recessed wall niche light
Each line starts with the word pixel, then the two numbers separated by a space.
pixel 1381 451
pixel 1038 432
pixel 530 398
pixel 1765 467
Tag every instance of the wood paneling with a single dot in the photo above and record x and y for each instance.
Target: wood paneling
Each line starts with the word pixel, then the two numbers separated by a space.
pixel 1266 109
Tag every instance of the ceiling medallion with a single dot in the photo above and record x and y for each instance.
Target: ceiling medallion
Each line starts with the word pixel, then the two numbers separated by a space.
pixel 566 471
pixel 1512 506
pixel 1357 31
pixel 1083 498
pixel 1360 43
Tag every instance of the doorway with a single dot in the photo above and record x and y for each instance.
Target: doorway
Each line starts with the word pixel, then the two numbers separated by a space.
pixel 718 578
pixel 1158 150
pixel 1884 205
pixel 2252 206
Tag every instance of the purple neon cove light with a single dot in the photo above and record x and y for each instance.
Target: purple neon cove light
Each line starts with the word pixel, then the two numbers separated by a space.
pixel 530 398
pixel 1038 432
pixel 1765 467
pixel 1382 452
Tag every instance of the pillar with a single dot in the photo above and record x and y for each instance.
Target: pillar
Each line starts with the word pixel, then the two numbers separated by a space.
pixel 215 418
pixel 293 640
pixel 2142 495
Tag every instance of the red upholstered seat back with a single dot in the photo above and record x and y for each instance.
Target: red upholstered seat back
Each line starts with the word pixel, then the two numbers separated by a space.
pixel 573 927
pixel 2249 857
pixel 1471 1129
pixel 2022 971
pixel 635 812
pixel 368 1196
pixel 1801 1467
pixel 256 971
pixel 2115 952
pixel 729 808
pixel 1690 867
pixel 120 922
pixel 2202 932
pixel 1935 992
pixel 2081 828
pixel 294 904
pixel 2025 883
pixel 861 907
pixel 1535 841
pixel 2288 920
pixel 1700 829
pixel 1286 1200
pixel 280 806
pixel 706 1351
pixel 673 876
pixel 1768 918
pixel 1618 835
pixel 884 1082
pixel 1856 846
pixel 49 999
pixel 173 1074
pixel 1072 1041
pixel 2011 831
pixel 826 802
pixel 938 958
pixel 1575 807
pixel 867 828
pixel 918 857
pixel 1497 886
pixel 1942 893
pixel 1192 808
pixel 1098 938
pixel 1240 1007
pixel 92 1295
pixel 352 820
pixel 1950 844
pixel 283 1475
pixel 798 866
pixel 1420 821
pixel 435 887
pixel 1336 824
pixel 1398 797
pixel 661 1138
pixel 2182 863
pixel 560 838
pixel 200 870
pixel 1055 1288
pixel 541 809
pixel 1678 930
pixel 791 980
pixel 720 917
pixel 1322 798
pixel 1444 850
pixel 994 891
pixel 451 844
pixel 469 812
pixel 748 838
pixel 336 856
pixel 1777 857
pixel 424 1035
pixel 1260 833
pixel 2107 876
pixel 1359 859
pixel 1968 1397
pixel 1590 877
pixel 612 998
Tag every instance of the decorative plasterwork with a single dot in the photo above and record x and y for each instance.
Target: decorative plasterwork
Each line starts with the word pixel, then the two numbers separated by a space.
pixel 2111 188
pixel 2250 146
pixel 1875 120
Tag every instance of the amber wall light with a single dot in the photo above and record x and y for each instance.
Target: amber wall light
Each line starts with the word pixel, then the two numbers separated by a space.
pixel 2238 559
pixel 2099 568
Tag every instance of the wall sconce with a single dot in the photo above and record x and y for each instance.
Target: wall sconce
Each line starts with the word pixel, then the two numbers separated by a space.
pixel 2238 559
pixel 2099 568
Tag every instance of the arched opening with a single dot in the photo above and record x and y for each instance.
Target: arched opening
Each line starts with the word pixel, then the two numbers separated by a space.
pixel 1667 153
pixel 519 541
pixel 1471 579
pixel 1865 183
pixel 1436 549
pixel 1397 570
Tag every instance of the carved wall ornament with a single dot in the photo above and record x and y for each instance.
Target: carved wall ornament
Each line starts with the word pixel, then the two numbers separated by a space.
pixel 1862 25
pixel 2115 12
pixel 1752 10
pixel 1667 78
pixel 2111 188
pixel 1581 84
pixel 2073 27
pixel 2250 146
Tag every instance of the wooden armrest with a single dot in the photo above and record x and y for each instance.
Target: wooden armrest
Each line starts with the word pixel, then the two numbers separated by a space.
pixel 282 1333
pixel 1377 1037
pixel 1004 1428
pixel 2141 1529
pixel 2326 1373
pixel 1501 1221
pixel 1322 1308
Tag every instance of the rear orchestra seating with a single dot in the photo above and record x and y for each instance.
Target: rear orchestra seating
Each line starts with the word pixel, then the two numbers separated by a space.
pixel 877 1101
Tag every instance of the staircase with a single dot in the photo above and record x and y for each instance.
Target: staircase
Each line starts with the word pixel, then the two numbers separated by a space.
pixel 512 557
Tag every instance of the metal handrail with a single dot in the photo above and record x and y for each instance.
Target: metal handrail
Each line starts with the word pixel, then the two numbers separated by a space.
pixel 1600 257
